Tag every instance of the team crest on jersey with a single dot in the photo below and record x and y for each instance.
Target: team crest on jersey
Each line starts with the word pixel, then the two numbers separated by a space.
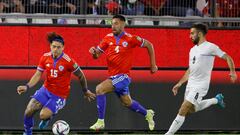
pixel 61 68
pixel 125 44
pixel 48 65
pixel 111 43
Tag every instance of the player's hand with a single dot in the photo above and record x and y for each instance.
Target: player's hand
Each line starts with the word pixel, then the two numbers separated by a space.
pixel 89 95
pixel 175 89
pixel 21 89
pixel 154 69
pixel 233 77
pixel 92 50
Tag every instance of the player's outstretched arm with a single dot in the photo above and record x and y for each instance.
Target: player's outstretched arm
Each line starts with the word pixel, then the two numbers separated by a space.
pixel 181 81
pixel 230 62
pixel 33 81
pixel 83 81
pixel 151 54
pixel 95 52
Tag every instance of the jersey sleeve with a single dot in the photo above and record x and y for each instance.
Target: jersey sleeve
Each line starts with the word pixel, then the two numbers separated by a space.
pixel 73 66
pixel 137 41
pixel 103 45
pixel 41 66
pixel 216 51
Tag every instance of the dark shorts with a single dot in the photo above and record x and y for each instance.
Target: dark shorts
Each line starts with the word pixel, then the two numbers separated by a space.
pixel 49 100
pixel 121 83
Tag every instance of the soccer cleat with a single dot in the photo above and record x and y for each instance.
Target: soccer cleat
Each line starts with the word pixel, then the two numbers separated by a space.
pixel 220 98
pixel 43 124
pixel 149 118
pixel 98 125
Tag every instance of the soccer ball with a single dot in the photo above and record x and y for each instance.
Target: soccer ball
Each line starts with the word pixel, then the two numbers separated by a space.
pixel 60 127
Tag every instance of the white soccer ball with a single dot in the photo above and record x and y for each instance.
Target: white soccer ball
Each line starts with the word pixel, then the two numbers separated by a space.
pixel 60 127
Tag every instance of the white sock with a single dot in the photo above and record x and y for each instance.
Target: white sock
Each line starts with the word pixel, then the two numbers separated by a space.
pixel 206 103
pixel 176 124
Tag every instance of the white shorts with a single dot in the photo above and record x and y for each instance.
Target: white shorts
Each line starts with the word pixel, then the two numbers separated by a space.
pixel 194 95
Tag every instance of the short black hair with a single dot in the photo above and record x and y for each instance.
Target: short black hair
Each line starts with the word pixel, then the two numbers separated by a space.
pixel 120 17
pixel 201 27
pixel 52 36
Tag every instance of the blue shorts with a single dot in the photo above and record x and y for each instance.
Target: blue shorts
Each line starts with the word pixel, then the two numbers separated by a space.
pixel 49 100
pixel 121 83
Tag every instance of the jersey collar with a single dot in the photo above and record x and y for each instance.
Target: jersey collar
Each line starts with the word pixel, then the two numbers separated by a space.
pixel 56 60
pixel 119 37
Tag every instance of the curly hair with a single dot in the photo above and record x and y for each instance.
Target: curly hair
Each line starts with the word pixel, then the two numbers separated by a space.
pixel 53 36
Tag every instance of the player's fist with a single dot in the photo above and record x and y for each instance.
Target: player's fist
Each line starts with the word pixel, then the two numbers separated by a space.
pixel 21 89
pixel 89 95
pixel 92 50
pixel 154 68
pixel 175 89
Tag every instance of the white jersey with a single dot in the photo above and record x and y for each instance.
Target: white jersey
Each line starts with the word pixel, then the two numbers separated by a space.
pixel 201 60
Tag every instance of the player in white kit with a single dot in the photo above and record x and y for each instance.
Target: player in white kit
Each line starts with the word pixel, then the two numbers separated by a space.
pixel 198 75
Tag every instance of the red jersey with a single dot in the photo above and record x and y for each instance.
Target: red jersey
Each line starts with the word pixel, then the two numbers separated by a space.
pixel 119 51
pixel 58 73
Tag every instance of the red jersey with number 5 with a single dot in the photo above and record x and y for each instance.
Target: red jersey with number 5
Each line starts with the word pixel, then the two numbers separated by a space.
pixel 119 51
pixel 58 73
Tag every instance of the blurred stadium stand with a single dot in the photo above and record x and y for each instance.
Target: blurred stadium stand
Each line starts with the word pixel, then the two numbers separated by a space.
pixel 217 13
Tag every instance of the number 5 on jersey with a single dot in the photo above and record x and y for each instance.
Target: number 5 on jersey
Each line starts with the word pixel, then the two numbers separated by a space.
pixel 54 73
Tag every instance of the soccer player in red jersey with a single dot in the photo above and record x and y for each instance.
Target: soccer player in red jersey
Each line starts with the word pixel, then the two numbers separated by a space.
pixel 51 97
pixel 118 47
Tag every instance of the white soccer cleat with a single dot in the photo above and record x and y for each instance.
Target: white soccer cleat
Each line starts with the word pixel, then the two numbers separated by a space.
pixel 149 118
pixel 98 125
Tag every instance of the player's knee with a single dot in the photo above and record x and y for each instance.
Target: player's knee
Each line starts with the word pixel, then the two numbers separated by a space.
pixel 28 112
pixel 44 116
pixel 184 110
pixel 99 89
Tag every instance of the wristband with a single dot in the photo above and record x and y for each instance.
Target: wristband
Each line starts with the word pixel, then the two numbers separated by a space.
pixel 84 90
pixel 28 87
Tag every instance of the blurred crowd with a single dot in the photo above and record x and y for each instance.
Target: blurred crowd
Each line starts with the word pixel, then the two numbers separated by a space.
pixel 179 8
pixel 224 8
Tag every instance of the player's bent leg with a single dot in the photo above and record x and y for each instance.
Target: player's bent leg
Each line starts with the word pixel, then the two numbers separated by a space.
pixel 205 104
pixel 137 107
pixel 184 110
pixel 32 107
pixel 104 87
pixel 126 100
pixel 45 116
pixel 101 89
